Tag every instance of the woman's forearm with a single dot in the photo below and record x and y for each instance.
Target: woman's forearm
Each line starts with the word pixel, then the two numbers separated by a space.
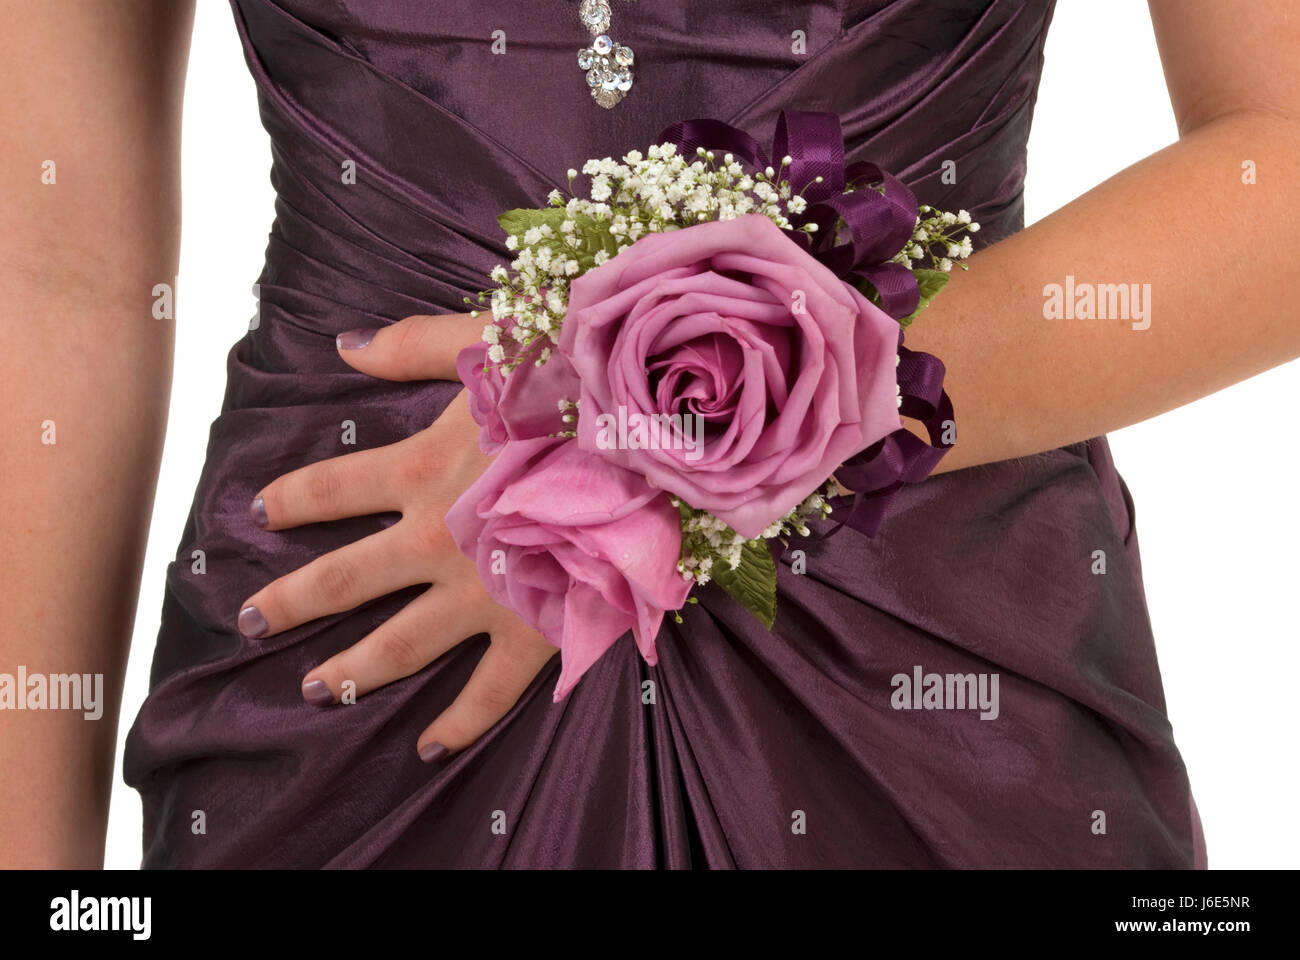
pixel 73 518
pixel 1211 288
pixel 89 199
pixel 1202 228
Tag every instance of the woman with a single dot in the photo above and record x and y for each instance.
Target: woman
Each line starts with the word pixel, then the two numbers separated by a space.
pixel 302 678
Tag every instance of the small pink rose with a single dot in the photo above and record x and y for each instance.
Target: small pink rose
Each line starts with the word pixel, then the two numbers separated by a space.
pixel 581 549
pixel 521 405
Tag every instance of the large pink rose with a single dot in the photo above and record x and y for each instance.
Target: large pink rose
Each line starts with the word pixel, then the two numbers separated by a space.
pixel 790 370
pixel 580 548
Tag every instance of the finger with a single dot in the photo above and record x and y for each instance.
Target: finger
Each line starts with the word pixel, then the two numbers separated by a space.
pixel 353 485
pixel 507 669
pixel 340 580
pixel 405 643
pixel 417 348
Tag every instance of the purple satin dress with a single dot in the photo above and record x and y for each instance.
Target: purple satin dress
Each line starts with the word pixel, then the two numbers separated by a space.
pixel 760 749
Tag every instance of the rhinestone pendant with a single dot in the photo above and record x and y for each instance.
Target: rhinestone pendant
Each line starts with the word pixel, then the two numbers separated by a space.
pixel 607 64
pixel 595 15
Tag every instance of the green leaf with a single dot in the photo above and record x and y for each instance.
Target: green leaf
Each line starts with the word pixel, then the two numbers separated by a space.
pixel 753 582
pixel 930 282
pixel 593 235
pixel 517 222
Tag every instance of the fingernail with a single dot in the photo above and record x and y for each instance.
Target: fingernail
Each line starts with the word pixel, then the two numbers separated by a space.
pixel 257 510
pixel 251 623
pixel 354 339
pixel 317 693
pixel 433 753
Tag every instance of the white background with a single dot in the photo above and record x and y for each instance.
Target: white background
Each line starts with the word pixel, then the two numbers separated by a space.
pixel 1217 554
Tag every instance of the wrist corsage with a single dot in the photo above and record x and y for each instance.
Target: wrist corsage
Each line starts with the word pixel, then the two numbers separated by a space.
pixel 680 369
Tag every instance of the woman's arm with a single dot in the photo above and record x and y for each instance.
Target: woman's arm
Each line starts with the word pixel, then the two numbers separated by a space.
pixel 1218 254
pixel 90 207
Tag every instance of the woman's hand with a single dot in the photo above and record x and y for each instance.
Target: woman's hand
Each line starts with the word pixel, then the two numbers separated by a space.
pixel 420 477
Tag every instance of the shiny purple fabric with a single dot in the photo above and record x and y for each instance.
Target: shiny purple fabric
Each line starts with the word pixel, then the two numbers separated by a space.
pixel 976 571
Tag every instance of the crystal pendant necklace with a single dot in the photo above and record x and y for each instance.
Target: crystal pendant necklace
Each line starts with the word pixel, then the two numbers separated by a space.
pixel 608 65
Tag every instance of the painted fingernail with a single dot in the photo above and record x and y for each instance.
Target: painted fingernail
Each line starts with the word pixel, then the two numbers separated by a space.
pixel 433 753
pixel 355 339
pixel 257 510
pixel 317 693
pixel 251 623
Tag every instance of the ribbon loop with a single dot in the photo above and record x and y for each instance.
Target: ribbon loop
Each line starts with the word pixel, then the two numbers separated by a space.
pixel 690 135
pixel 858 233
pixel 880 471
pixel 815 147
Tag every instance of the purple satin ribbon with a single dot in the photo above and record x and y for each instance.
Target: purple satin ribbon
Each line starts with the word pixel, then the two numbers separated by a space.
pixel 879 222
pixel 878 472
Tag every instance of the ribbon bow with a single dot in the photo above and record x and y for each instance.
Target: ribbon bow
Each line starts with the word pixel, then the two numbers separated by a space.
pixel 879 471
pixel 878 219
